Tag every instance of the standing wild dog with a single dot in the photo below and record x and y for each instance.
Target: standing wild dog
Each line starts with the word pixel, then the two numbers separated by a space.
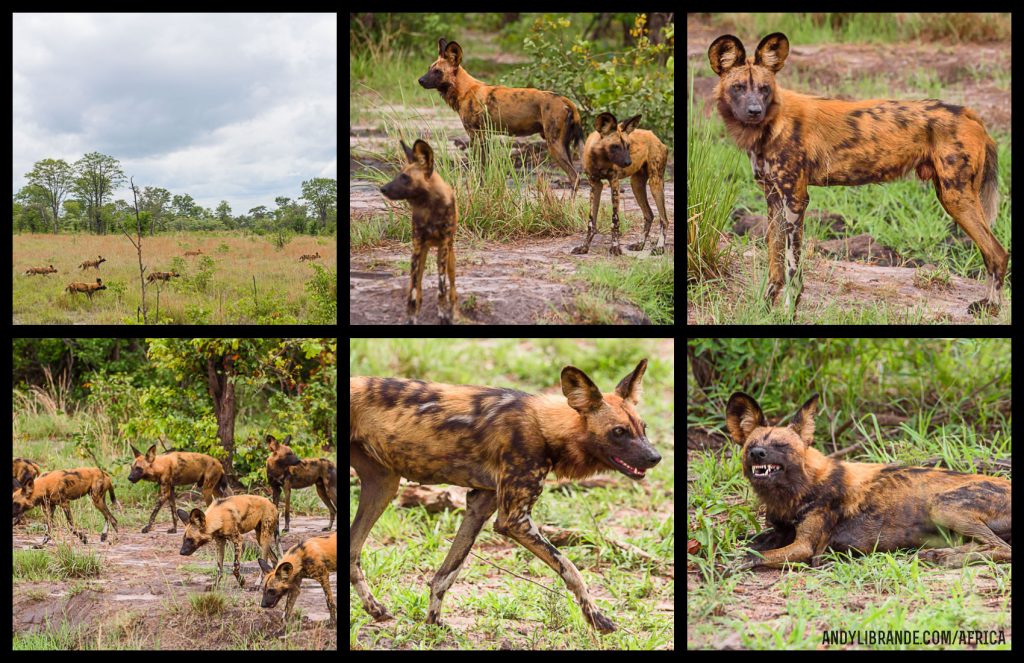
pixel 310 256
pixel 227 520
pixel 314 558
pixel 175 469
pixel 517 111
pixel 618 150
pixel 162 276
pixel 434 216
pixel 499 442
pixel 41 270
pixel 286 470
pixel 88 288
pixel 92 263
pixel 794 140
pixel 197 252
pixel 816 503
pixel 60 487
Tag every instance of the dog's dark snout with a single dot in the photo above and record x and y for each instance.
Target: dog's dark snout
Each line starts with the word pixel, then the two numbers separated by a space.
pixel 758 453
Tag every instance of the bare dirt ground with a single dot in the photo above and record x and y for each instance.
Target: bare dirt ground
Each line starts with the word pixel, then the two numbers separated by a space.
pixel 148 596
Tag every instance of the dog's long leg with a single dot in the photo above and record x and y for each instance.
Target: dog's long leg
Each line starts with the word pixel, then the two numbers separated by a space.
pixel 516 496
pixel 378 486
pixel 480 506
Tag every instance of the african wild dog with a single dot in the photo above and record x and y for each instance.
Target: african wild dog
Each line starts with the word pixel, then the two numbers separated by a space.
pixel 162 276
pixel 227 520
pixel 92 263
pixel 23 470
pixel 314 558
pixel 517 111
pixel 794 140
pixel 59 487
pixel 197 252
pixel 618 150
pixel 88 288
pixel 501 443
pixel 434 216
pixel 310 256
pixel 41 270
pixel 816 503
pixel 174 469
pixel 286 470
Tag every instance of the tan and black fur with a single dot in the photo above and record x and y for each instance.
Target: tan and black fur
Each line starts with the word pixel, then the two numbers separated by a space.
pixel 795 140
pixel 93 263
pixel 162 276
pixel 615 151
pixel 310 256
pixel 314 558
pixel 174 469
pixel 517 111
pixel 88 288
pixel 227 520
pixel 59 487
pixel 434 217
pixel 41 270
pixel 815 503
pixel 286 470
pixel 501 443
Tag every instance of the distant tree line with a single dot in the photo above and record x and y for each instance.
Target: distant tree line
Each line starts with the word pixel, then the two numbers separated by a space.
pixel 63 197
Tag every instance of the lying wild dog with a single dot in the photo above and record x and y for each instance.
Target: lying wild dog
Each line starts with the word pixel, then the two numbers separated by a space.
pixel 314 558
pixel 310 256
pixel 92 263
pixel 41 270
pixel 175 469
pixel 499 442
pixel 618 150
pixel 816 503
pixel 87 288
pixel 434 216
pixel 517 111
pixel 227 520
pixel 162 276
pixel 286 470
pixel 197 252
pixel 60 487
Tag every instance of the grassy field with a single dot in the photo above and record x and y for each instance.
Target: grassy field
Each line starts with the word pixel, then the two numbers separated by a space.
pixel 216 287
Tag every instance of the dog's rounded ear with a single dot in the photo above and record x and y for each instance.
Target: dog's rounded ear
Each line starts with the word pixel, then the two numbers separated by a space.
pixel 742 415
pixel 803 420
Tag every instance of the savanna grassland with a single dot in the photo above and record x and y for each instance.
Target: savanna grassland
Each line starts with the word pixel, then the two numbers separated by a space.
pixel 215 287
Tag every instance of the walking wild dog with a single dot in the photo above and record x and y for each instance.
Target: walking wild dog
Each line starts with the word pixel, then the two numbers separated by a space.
pixel 501 443
pixel 175 469
pixel 162 276
pixel 92 263
pixel 41 270
pixel 314 558
pixel 618 150
pixel 517 111
pixel 23 469
pixel 197 252
pixel 310 256
pixel 227 520
pixel 88 288
pixel 60 487
pixel 815 502
pixel 286 470
pixel 794 140
pixel 434 216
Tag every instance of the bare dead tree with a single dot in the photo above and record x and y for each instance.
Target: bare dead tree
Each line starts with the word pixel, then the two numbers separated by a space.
pixel 137 243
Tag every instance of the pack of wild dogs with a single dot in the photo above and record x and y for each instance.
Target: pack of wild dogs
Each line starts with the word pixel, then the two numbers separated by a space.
pixel 226 518
pixel 614 151
pixel 90 289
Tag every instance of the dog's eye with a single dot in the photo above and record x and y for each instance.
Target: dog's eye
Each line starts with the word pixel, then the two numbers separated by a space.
pixel 619 431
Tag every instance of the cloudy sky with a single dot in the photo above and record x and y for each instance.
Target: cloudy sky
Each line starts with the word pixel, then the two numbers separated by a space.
pixel 236 107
